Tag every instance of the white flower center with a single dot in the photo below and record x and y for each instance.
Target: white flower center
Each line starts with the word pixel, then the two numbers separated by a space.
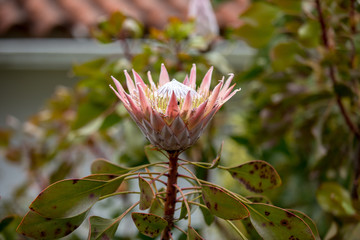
pixel 178 88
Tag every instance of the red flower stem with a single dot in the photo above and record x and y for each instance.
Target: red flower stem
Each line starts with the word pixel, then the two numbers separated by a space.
pixel 171 194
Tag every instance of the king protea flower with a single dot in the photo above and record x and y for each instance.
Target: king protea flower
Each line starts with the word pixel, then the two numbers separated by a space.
pixel 172 115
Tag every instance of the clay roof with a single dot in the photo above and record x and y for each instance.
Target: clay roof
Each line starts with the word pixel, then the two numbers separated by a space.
pixel 72 18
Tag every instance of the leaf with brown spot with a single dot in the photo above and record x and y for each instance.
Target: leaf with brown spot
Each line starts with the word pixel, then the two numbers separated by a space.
pixel 308 221
pixel 259 199
pixel 111 184
pixel 147 194
pixel 257 176
pixel 208 217
pixel 101 177
pixel 102 228
pixel 149 224
pixel 104 166
pixel 193 235
pixel 273 223
pixel 67 198
pixel 38 227
pixel 71 197
pixel 222 204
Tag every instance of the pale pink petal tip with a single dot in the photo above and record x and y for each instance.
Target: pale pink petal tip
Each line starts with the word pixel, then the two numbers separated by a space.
pixel 129 82
pixel 138 79
pixel 172 109
pixel 192 80
pixel 113 78
pixel 117 83
pixel 164 76
pixel 205 85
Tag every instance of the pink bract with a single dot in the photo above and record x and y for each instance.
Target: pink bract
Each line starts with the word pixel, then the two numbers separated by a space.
pixel 172 115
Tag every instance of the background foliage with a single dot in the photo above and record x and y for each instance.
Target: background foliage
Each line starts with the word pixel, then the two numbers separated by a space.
pixel 298 110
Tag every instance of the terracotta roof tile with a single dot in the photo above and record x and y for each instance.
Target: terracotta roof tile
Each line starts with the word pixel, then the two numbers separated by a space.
pixel 80 11
pixel 125 6
pixel 41 17
pixel 10 15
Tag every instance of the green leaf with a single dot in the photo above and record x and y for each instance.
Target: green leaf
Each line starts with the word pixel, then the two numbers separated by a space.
pixel 89 68
pixel 102 228
pixel 250 229
pixel 183 211
pixel 343 90
pixel 115 23
pixel 147 194
pixel 61 172
pixel 259 199
pixel 36 226
pixel 257 176
pixel 157 206
pixel 283 55
pixel 308 221
pixel 111 184
pixel 67 198
pixel 222 204
pixel 154 155
pixel 101 177
pixel 86 113
pixel 273 223
pixel 292 7
pixel 193 235
pixel 260 14
pixel 309 34
pixel 149 224
pixel 208 217
pixel 109 30
pixel 110 121
pixel 104 166
pixel 335 199
pixel 6 221
pixel 256 37
pixel 258 28
pixel 179 30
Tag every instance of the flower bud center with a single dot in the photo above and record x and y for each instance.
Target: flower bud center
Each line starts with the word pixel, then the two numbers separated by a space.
pixel 178 88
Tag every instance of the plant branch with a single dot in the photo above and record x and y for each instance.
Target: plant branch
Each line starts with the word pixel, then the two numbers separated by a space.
pixel 189 193
pixel 237 230
pixel 354 192
pixel 118 193
pixel 178 228
pixel 332 72
pixel 171 194
pixel 192 174
pixel 352 16
pixel 186 204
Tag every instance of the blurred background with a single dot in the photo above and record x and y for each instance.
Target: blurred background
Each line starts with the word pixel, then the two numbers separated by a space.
pixel 297 63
